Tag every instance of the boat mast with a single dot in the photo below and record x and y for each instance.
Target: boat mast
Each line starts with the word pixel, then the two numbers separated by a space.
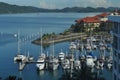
pixel 41 41
pixel 53 48
pixel 18 43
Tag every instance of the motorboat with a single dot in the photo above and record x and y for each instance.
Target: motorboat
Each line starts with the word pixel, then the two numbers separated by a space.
pixel 41 59
pixel 89 61
pixel 41 62
pixel 72 46
pixel 61 56
pixel 66 64
pixel 53 63
pixel 19 57
pixel 77 64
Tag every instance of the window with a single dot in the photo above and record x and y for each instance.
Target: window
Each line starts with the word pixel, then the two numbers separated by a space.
pixel 115 27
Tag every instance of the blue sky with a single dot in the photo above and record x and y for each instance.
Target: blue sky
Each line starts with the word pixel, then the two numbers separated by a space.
pixel 52 4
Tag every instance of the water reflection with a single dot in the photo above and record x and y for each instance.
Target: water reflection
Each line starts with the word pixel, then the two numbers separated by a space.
pixel 54 73
pixel 48 74
pixel 40 73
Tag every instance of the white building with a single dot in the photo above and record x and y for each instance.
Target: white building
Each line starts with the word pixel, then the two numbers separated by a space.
pixel 116 45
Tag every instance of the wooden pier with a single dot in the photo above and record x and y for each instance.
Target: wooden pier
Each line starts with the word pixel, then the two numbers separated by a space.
pixel 22 64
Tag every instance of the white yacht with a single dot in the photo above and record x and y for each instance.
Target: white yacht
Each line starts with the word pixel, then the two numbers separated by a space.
pixel 101 61
pixel 102 46
pixel 66 64
pixel 61 56
pixel 109 62
pixel 81 47
pixel 19 56
pixel 53 62
pixel 89 61
pixel 41 59
pixel 101 64
pixel 88 47
pixel 109 65
pixel 72 46
pixel 41 62
pixel 77 64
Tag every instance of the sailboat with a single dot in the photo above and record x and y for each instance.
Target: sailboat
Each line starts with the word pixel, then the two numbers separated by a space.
pixel 81 46
pixel 109 60
pixel 88 47
pixel 30 58
pixel 101 59
pixel 77 63
pixel 66 63
pixel 19 57
pixel 89 61
pixel 102 45
pixel 72 46
pixel 41 59
pixel 41 62
pixel 53 61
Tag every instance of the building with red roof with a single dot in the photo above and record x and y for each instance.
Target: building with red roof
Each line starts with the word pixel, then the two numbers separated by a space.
pixel 92 22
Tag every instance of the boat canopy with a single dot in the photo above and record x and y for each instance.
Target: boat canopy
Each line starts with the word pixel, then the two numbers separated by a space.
pixel 91 53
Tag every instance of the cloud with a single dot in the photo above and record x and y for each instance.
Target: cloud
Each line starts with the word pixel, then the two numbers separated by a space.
pixel 52 4
pixel 94 3
pixel 47 5
pixel 102 3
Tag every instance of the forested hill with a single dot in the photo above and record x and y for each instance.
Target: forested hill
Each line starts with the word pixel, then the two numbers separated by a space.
pixel 8 8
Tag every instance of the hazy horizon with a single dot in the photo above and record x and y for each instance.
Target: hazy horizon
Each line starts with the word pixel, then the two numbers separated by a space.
pixel 59 4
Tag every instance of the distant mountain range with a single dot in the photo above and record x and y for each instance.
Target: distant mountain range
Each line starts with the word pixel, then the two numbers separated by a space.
pixel 8 8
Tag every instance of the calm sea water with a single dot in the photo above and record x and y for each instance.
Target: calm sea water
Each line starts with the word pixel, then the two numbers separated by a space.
pixel 28 24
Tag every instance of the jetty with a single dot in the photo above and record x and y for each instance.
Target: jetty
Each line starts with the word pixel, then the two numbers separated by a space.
pixel 60 38
pixel 68 37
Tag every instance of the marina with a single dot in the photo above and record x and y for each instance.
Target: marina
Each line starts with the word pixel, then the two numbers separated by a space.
pixel 28 69
pixel 76 56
